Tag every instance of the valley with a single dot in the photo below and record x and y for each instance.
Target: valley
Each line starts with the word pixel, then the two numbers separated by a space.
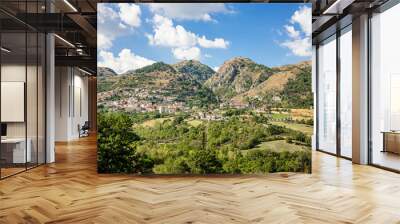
pixel 188 118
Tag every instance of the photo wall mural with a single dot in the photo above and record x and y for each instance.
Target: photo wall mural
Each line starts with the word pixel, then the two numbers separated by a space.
pixel 204 88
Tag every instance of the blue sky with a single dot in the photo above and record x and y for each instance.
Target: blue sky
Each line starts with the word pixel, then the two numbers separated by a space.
pixel 131 36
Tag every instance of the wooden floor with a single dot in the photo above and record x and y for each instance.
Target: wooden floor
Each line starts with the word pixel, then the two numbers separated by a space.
pixel 70 191
pixel 386 159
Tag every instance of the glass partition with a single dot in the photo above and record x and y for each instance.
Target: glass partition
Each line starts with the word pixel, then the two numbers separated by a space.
pixel 13 94
pixel 385 89
pixel 22 88
pixel 327 95
pixel 346 92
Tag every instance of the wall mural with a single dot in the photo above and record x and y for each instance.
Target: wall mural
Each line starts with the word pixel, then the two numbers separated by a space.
pixel 204 88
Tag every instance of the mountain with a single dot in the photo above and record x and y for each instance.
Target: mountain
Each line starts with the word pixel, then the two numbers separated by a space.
pixel 159 83
pixel 105 72
pixel 298 90
pixel 197 70
pixel 276 84
pixel 155 67
pixel 106 78
pixel 237 76
pixel 239 81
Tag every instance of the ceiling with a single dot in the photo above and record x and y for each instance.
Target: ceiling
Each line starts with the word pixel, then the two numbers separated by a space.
pixel 73 21
pixel 331 15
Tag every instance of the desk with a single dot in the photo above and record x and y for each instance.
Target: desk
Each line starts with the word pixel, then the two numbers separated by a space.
pixel 391 141
pixel 13 150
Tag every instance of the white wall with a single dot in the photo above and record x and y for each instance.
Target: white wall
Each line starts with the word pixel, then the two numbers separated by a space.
pixel 10 73
pixel 62 82
pixel 70 83
pixel 33 126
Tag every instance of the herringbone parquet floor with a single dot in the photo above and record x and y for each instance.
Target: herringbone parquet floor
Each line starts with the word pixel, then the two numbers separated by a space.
pixel 70 191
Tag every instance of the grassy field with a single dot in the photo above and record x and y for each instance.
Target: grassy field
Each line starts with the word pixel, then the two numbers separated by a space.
pixel 280 116
pixel 152 123
pixel 298 114
pixel 195 122
pixel 279 146
pixel 294 114
pixel 306 129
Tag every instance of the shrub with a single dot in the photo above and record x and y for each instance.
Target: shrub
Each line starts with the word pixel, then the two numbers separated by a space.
pixel 116 148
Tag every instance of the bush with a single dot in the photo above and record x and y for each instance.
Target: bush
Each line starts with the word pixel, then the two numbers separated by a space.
pixel 275 130
pixel 116 149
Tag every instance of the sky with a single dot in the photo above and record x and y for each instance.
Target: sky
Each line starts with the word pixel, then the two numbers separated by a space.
pixel 131 36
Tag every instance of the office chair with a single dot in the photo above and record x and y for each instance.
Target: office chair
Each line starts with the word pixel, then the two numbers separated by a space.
pixel 84 130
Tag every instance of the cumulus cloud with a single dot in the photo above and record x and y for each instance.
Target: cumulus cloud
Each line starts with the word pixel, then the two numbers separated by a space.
pixel 216 43
pixel 105 13
pixel 126 60
pixel 303 18
pixel 299 42
pixel 292 32
pixel 186 53
pixel 103 42
pixel 184 43
pixel 193 11
pixel 168 35
pixel 299 47
pixel 116 21
pixel 130 14
pixel 216 68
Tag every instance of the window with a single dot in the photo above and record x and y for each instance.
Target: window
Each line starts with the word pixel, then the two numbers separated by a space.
pixel 327 95
pixel 346 92
pixel 385 89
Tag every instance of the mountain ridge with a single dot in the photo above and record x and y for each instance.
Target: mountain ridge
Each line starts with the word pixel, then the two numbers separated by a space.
pixel 192 83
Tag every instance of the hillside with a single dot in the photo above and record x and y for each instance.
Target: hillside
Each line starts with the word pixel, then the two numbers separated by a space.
pixel 237 76
pixel 105 72
pixel 156 84
pixel 197 70
pixel 239 81
pixel 298 90
pixel 106 78
pixel 276 85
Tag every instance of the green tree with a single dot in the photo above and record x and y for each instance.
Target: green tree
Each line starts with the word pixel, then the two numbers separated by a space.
pixel 116 148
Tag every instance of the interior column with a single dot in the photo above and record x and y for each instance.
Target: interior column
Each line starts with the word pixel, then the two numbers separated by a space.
pixel 360 90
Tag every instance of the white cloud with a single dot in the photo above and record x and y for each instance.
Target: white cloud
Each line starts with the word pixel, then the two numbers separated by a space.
pixel 187 53
pixel 192 11
pixel 208 55
pixel 216 43
pixel 167 35
pixel 184 43
pixel 130 14
pixel 114 22
pixel 299 42
pixel 303 17
pixel 126 60
pixel 299 47
pixel 103 42
pixel 216 68
pixel 105 13
pixel 292 32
